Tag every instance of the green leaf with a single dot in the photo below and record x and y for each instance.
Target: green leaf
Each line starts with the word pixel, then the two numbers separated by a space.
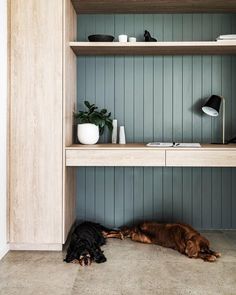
pixel 103 111
pixel 87 104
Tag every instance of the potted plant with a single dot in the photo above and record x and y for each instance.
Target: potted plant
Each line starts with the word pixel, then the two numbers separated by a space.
pixel 91 123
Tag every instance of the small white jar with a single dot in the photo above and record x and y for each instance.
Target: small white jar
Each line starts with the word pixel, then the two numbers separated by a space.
pixel 132 39
pixel 88 133
pixel 123 38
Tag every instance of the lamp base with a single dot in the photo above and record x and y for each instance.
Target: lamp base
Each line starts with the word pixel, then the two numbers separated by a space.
pixel 232 140
pixel 219 143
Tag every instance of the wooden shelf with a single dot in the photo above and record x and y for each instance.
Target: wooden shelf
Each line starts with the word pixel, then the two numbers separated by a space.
pixel 154 48
pixel 154 6
pixel 143 146
pixel 105 155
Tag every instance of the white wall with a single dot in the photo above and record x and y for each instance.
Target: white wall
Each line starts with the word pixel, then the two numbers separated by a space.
pixel 3 125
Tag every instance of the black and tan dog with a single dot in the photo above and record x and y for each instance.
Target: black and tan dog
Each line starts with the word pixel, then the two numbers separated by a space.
pixel 177 236
pixel 86 241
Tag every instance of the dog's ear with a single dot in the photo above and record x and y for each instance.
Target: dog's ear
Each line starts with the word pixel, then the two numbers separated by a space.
pixel 70 255
pixel 192 249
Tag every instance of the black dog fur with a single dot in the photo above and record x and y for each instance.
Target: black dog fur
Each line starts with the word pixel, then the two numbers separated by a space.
pixel 86 240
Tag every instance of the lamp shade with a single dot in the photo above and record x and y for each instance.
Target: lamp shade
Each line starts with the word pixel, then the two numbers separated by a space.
pixel 212 106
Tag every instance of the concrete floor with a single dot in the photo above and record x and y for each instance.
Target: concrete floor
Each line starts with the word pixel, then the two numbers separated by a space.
pixel 132 268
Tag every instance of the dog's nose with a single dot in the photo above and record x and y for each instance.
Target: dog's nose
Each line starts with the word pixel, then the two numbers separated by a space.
pixel 86 261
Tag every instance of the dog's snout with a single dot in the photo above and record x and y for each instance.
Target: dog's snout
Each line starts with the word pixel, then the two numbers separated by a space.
pixel 85 261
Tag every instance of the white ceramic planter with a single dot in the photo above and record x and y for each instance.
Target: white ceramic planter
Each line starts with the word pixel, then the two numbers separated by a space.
pixel 88 133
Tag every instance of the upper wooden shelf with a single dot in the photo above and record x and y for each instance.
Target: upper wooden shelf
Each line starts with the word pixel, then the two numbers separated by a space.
pixel 154 6
pixel 154 48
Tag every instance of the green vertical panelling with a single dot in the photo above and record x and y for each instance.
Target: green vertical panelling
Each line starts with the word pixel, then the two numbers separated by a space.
pixel 187 195
pixel 196 197
pixel 109 197
pixel 148 115
pixel 129 123
pixel 216 199
pixel 226 198
pixel 214 175
pixel 227 93
pixel 158 193
pixel 233 79
pixel 206 128
pixel 119 114
pixel 196 121
pixel 81 185
pixel 187 118
pixel 128 196
pixel 177 182
pixel 159 98
pixel 226 173
pixel 100 100
pixel 138 193
pixel 205 198
pixel 110 105
pixel 138 120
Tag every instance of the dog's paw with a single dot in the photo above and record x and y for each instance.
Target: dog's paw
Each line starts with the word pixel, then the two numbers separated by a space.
pixel 217 254
pixel 121 236
pixel 99 257
pixel 85 260
pixel 125 233
pixel 210 258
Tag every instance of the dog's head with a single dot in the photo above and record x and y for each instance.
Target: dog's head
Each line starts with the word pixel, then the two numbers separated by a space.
pixel 195 245
pixel 78 250
pixel 75 253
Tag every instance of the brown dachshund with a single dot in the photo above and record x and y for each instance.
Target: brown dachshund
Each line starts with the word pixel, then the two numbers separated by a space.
pixel 177 236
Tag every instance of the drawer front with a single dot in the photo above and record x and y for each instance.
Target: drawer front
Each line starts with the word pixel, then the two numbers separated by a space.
pixel 115 158
pixel 201 158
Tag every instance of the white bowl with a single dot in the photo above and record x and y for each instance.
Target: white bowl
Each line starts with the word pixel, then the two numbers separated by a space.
pixel 123 38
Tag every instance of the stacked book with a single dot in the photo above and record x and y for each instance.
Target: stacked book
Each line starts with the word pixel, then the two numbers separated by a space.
pixel 226 38
pixel 174 144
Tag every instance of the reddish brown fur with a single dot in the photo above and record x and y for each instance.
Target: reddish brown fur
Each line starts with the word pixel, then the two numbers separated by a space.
pixel 177 236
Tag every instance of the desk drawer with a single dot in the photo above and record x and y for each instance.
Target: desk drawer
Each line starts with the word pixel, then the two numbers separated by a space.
pixel 201 158
pixel 115 157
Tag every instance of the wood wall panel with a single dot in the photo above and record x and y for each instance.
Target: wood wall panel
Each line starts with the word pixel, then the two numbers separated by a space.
pixel 36 122
pixel 153 6
pixel 159 98
pixel 69 104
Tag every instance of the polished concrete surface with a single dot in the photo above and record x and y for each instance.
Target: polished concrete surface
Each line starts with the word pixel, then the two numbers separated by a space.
pixel 131 268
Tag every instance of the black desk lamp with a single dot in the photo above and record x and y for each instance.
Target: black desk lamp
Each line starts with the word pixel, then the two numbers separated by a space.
pixel 212 108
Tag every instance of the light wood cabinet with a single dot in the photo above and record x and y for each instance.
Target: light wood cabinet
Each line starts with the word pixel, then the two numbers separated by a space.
pixel 41 102
pixel 42 95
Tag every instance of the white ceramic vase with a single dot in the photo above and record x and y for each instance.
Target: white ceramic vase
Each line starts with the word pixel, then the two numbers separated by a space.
pixel 88 133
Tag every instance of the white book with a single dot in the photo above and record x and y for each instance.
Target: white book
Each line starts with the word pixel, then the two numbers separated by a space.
pixel 174 144
pixel 231 37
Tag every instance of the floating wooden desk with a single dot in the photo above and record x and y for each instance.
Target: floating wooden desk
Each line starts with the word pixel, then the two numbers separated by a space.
pixel 105 155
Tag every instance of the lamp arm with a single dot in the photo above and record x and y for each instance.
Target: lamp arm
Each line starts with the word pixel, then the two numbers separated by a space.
pixel 223 119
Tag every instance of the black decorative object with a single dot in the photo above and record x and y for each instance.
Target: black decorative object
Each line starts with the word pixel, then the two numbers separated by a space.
pixel 101 38
pixel 148 37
